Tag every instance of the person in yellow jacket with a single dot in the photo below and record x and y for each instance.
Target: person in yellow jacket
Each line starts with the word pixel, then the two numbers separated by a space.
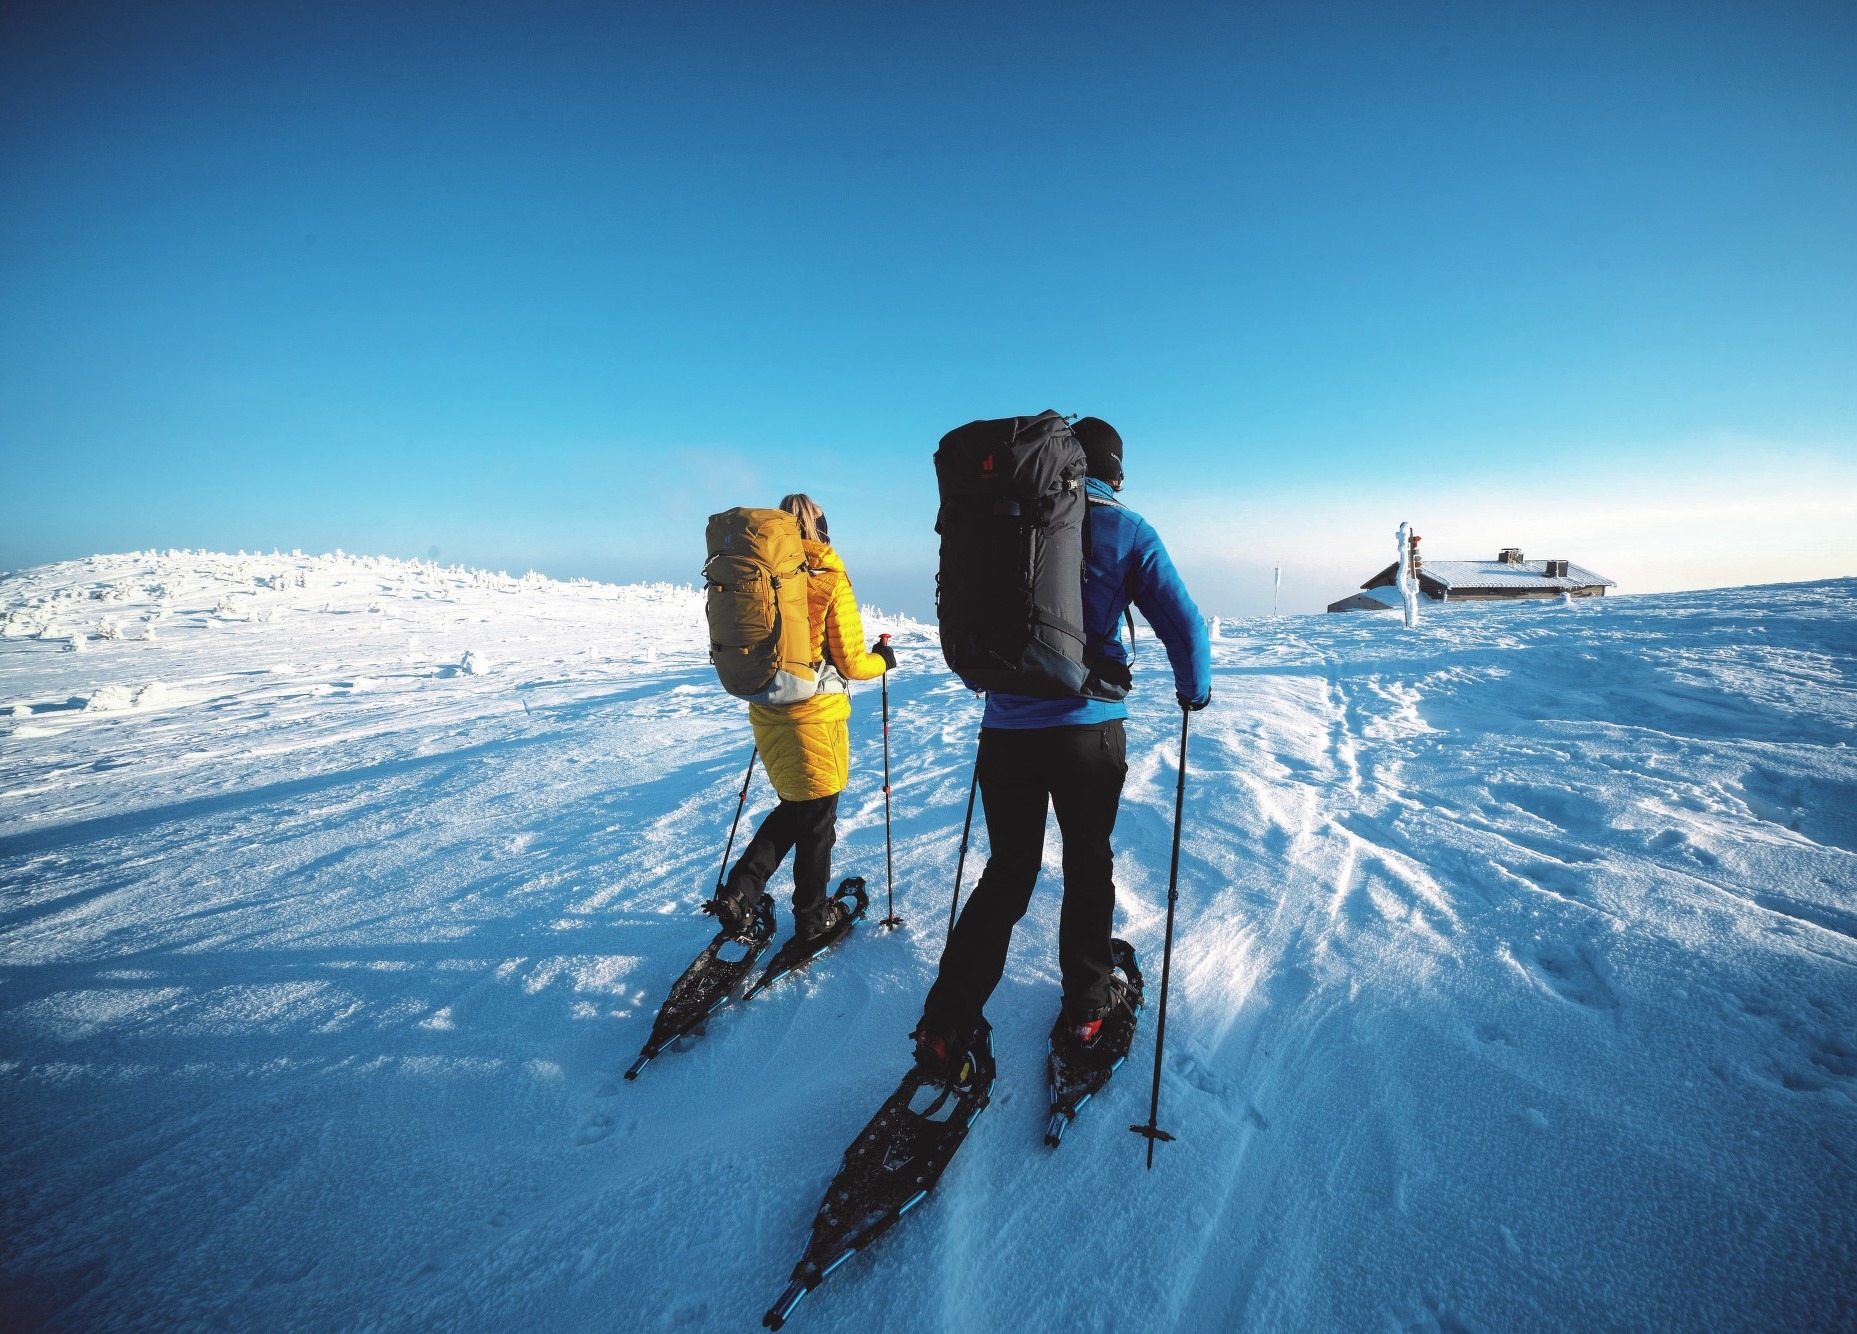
pixel 806 748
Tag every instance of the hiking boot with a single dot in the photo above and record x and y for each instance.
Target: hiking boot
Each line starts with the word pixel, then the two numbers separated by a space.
pixel 1084 1032
pixel 735 914
pixel 941 1058
pixel 831 918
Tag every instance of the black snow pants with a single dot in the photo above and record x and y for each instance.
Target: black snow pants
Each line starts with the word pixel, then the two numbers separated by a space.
pixel 812 828
pixel 1078 771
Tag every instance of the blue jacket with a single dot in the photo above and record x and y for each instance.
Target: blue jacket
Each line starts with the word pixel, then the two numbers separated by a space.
pixel 1127 563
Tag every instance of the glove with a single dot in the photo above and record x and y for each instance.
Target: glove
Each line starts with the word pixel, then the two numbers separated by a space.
pixel 888 654
pixel 1194 705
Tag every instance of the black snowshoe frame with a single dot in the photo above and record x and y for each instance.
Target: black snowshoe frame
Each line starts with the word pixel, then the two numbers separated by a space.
pixel 710 980
pixel 795 954
pixel 1078 1074
pixel 707 984
pixel 890 1168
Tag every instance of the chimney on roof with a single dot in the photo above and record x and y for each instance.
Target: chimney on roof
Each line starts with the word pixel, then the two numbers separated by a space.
pixel 1510 556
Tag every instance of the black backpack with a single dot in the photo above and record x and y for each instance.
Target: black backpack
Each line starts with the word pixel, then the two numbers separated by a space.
pixel 1013 525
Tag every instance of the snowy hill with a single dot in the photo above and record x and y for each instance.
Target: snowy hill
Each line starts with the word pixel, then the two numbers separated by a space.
pixel 1515 987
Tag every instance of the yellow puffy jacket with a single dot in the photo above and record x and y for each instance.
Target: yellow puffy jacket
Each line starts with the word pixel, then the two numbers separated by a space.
pixel 807 746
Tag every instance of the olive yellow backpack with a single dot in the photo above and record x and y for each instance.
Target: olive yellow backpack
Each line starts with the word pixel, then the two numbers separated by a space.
pixel 754 584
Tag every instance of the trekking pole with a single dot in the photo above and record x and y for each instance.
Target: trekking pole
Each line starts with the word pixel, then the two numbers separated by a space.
pixel 1152 1131
pixel 733 824
pixel 967 825
pixel 889 868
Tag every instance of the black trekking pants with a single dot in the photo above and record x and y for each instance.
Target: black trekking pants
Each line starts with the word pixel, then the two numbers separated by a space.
pixel 812 828
pixel 1079 772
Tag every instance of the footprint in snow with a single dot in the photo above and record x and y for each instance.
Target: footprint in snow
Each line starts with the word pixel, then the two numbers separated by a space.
pixel 1677 841
pixel 1431 1316
pixel 1187 1067
pixel 1573 974
pixel 1552 877
pixel 1817 808
pixel 594 1129
pixel 284 1271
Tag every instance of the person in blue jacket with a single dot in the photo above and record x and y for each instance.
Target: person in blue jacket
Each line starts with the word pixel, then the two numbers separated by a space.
pixel 1071 755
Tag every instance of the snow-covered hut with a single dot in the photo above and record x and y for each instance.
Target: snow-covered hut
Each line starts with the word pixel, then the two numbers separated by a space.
pixel 1510 575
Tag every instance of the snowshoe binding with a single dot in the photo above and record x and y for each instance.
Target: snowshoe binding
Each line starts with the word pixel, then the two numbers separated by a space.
pixel 850 902
pixel 1078 1071
pixel 891 1166
pixel 708 982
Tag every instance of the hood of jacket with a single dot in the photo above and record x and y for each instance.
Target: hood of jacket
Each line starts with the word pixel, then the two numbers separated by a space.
pixel 821 556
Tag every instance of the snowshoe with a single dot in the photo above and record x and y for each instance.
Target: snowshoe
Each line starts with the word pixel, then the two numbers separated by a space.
pixel 891 1167
pixel 797 953
pixel 1078 1072
pixel 707 983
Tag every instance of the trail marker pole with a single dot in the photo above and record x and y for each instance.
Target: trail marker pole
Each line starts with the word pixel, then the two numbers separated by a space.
pixel 1408 586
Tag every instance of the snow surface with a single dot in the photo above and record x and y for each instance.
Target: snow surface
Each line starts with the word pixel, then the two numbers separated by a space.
pixel 1515 988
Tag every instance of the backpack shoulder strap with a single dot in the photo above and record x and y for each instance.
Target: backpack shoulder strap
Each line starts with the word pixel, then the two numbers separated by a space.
pixel 1127 611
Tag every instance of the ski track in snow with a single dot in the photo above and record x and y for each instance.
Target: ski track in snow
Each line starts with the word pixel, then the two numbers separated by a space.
pixel 1515 982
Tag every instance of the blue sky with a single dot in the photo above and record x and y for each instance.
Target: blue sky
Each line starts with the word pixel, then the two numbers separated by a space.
pixel 545 286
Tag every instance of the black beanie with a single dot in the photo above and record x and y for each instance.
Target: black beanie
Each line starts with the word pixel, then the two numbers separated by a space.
pixel 1101 446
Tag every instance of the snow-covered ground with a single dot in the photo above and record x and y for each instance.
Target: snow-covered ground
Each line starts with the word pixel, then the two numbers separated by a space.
pixel 1515 986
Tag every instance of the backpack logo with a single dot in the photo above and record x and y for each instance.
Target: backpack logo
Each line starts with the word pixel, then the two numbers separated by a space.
pixel 987 467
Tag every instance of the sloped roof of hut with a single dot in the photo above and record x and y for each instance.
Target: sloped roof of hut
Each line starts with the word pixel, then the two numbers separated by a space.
pixel 1459 574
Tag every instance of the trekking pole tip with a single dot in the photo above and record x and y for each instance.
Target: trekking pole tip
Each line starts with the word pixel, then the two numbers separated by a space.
pixel 1153 1134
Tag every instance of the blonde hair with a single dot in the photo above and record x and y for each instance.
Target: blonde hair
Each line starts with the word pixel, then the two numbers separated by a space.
pixel 804 508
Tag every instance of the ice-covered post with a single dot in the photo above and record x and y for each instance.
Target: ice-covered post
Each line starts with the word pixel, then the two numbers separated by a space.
pixel 1276 591
pixel 1408 586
